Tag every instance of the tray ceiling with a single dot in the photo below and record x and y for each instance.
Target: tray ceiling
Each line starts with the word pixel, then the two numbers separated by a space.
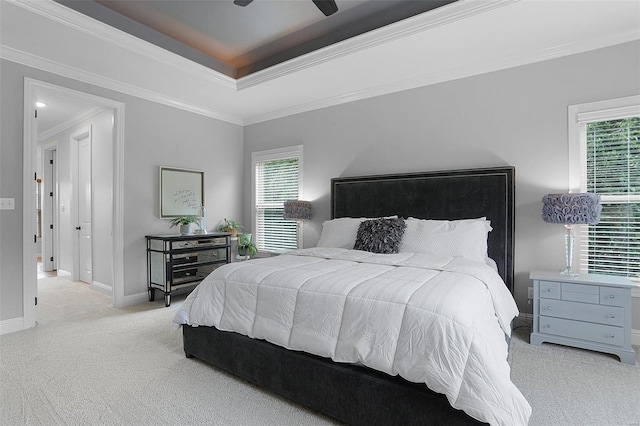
pixel 238 41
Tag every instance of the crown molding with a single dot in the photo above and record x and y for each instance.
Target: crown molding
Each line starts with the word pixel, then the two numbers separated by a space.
pixel 79 118
pixel 451 74
pixel 78 21
pixel 423 22
pixel 54 67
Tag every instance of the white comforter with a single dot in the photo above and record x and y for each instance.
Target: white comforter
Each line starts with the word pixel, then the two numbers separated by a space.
pixel 430 319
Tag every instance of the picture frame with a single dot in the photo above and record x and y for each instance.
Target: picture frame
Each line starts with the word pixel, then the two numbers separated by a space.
pixel 181 191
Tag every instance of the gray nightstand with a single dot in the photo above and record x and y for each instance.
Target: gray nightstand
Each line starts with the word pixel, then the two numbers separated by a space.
pixel 589 311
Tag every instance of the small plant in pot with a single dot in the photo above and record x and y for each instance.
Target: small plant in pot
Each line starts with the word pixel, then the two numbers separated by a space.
pixel 246 247
pixel 231 226
pixel 185 223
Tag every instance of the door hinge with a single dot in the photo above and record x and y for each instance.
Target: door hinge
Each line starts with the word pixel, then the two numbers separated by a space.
pixel 51 226
pixel 36 113
pixel 51 194
pixel 36 301
pixel 51 258
pixel 35 238
pixel 50 161
pixel 35 176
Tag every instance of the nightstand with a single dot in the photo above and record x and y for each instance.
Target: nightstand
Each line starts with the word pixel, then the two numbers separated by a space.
pixel 588 311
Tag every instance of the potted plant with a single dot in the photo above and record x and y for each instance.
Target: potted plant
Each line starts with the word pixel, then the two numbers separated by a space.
pixel 246 247
pixel 185 223
pixel 230 226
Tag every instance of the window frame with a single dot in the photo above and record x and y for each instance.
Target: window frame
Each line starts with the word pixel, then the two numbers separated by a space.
pixel 578 116
pixel 295 151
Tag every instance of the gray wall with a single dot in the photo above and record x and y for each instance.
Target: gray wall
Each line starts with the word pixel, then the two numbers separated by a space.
pixel 155 135
pixel 512 117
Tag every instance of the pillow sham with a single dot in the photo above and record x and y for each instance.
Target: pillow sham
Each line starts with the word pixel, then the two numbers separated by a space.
pixel 458 238
pixel 380 235
pixel 341 232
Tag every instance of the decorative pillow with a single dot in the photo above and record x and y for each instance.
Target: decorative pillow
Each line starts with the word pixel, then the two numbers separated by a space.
pixel 380 235
pixel 341 232
pixel 457 238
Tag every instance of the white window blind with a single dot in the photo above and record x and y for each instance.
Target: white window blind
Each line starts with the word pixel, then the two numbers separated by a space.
pixel 276 179
pixel 611 168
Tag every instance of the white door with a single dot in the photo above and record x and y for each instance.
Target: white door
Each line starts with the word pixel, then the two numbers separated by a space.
pixel 84 208
pixel 49 211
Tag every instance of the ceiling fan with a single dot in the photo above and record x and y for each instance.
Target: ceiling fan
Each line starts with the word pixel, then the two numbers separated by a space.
pixel 328 7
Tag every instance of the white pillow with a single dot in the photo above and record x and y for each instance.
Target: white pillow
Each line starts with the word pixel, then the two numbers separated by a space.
pixel 464 238
pixel 341 232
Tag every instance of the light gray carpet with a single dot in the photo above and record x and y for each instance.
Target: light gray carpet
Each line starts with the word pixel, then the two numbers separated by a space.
pixel 87 363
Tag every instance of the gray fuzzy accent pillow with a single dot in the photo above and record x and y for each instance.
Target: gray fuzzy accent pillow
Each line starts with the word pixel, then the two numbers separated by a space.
pixel 380 235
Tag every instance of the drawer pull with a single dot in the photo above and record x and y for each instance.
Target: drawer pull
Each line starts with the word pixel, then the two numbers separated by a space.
pixel 547 326
pixel 548 290
pixel 611 296
pixel 548 308
pixel 612 316
pixel 611 336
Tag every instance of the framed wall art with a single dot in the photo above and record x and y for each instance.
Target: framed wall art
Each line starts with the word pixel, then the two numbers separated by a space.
pixel 181 191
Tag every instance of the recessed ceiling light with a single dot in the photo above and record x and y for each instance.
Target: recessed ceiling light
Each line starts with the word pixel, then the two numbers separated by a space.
pixel 40 104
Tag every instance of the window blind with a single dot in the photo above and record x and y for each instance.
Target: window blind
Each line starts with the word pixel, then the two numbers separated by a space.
pixel 276 180
pixel 612 149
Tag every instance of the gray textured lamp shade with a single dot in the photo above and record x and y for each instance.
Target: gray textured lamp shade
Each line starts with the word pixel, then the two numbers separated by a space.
pixel 297 210
pixel 571 209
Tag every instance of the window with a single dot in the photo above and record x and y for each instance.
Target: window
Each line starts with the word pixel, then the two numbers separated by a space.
pixel 608 135
pixel 276 178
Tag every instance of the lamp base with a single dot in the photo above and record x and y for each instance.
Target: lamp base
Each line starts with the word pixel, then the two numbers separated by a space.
pixel 569 273
pixel 568 247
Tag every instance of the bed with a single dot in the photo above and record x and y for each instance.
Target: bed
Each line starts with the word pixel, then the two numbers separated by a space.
pixel 348 384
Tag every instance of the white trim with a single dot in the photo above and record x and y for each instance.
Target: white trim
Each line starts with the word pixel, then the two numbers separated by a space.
pixel 61 273
pixel 134 299
pixel 423 22
pixel 11 325
pixel 58 68
pixel 101 288
pixel 78 21
pixel 441 16
pixel 442 76
pixel 29 282
pixel 29 255
pixel 82 116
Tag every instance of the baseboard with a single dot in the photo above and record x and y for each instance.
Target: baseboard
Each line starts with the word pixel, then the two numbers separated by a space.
pixel 101 288
pixel 63 273
pixel 135 299
pixel 11 325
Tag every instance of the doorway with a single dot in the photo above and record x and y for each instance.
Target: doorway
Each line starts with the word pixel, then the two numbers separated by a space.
pixel 33 88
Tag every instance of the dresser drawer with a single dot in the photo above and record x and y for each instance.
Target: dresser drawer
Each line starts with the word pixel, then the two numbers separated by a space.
pixel 599 333
pixel 549 290
pixel 609 315
pixel 613 296
pixel 580 293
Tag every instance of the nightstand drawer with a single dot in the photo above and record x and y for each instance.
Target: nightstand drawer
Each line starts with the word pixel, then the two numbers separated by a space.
pixel 605 334
pixel 549 290
pixel 580 293
pixel 608 315
pixel 613 296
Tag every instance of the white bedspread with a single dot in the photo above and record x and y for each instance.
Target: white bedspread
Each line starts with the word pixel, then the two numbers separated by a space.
pixel 430 319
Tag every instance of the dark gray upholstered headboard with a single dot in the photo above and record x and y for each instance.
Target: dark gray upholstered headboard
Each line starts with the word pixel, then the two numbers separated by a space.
pixel 449 195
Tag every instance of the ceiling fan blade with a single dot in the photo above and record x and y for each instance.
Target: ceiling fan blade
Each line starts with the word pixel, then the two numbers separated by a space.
pixel 328 7
pixel 242 3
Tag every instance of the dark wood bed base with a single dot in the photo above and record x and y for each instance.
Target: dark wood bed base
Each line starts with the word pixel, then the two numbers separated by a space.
pixel 353 394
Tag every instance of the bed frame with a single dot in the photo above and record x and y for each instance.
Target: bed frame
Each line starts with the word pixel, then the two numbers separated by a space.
pixel 353 394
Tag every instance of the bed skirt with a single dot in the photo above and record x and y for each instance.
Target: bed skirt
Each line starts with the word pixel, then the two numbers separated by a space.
pixel 352 394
